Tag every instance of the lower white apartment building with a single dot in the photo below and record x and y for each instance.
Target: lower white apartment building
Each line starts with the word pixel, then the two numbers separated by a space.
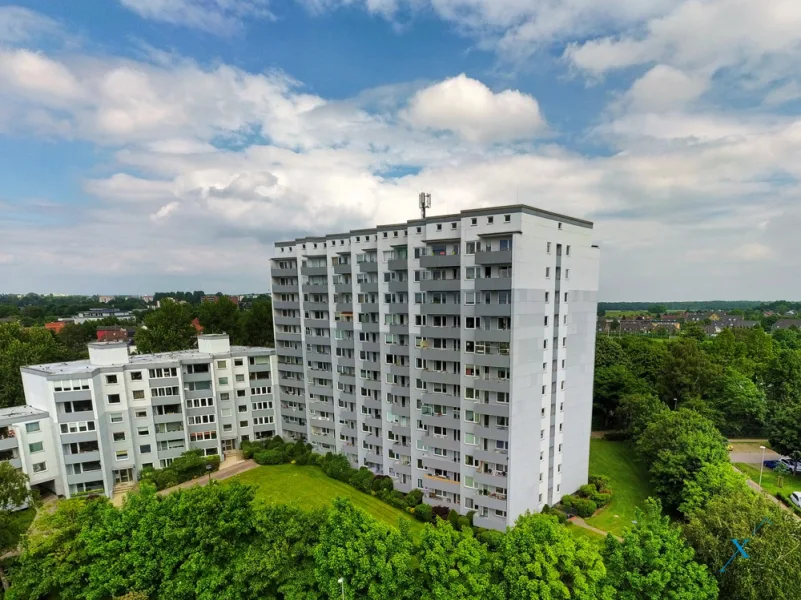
pixel 453 353
pixel 92 424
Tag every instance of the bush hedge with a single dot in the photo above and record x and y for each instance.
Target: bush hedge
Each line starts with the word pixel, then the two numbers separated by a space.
pixel 589 497
pixel 189 465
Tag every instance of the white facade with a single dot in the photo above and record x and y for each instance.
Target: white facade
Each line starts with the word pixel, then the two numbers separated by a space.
pixel 113 415
pixel 454 354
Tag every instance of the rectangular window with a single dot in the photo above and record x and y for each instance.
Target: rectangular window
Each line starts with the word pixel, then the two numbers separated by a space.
pixel 221 364
pixel 113 398
pixel 139 394
pixel 115 417
pixel 243 423
pixel 119 436
pixel 121 455
pixel 142 431
pixel 547 272
pixel 222 381
pixel 136 375
pixel 567 251
pixel 238 362
pixel 225 396
pixel 111 379
pixel 240 378
pixel 140 414
pixel 32 427
pixel 35 447
pixel 39 467
pixel 144 449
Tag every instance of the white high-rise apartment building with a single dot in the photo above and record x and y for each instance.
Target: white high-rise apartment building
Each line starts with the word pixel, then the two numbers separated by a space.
pixel 453 353
pixel 91 425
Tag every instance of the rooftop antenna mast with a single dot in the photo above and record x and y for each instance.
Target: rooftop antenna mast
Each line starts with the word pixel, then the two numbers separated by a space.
pixel 425 202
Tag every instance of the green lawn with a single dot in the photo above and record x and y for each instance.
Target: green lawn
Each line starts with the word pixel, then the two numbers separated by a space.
pixel 580 532
pixel 770 479
pixel 628 479
pixel 309 487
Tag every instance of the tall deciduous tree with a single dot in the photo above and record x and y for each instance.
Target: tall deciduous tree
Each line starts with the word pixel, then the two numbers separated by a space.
pixel 687 372
pixel 540 559
pixel 783 378
pixel 784 429
pixel 14 493
pixel 675 445
pixel 222 316
pixel 258 324
pixel 167 329
pixel 741 403
pixel 654 561
pixel 454 565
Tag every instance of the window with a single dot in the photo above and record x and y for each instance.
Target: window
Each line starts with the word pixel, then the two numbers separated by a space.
pixel 139 394
pixel 226 412
pixel 35 447
pixel 142 431
pixel 223 381
pixel 241 393
pixel 507 218
pixel 238 362
pixel 545 344
pixel 140 414
pixel 115 417
pixel 567 273
pixel 113 398
pixel 243 423
pixel 547 272
pixel 136 375
pixel 453 225
pixel 225 396
pixel 548 247
pixel 490 220
pixel 39 467
pixel 439 226
pixel 470 248
pixel 144 449
pixel 470 273
pixel 221 364
pixel 32 427
pixel 546 321
pixel 469 298
pixel 567 251
pixel 111 379
pixel 119 436
pixel 240 378
pixel 547 296
pixel 228 427
pixel 474 221
pixel 559 226
pixel 121 455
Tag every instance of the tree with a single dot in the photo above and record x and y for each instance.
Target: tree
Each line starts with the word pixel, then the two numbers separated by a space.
pixel 675 445
pixel 687 372
pixel 773 569
pixel 167 329
pixel 657 309
pixel 784 429
pixel 20 347
pixel 222 316
pixel 741 403
pixel 693 331
pixel 646 357
pixel 373 560
pixel 540 559
pixel 783 378
pixel 14 493
pixel 453 565
pixel 654 561
pixel 717 479
pixel 612 384
pixel 636 411
pixel 258 324
pixel 609 353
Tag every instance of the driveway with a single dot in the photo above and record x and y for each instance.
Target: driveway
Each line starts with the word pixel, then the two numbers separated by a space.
pixel 749 452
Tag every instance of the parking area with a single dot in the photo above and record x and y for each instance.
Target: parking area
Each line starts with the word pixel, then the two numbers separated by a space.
pixel 749 452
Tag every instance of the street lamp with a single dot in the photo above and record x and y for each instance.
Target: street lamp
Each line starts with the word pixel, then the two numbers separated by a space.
pixel 675 402
pixel 761 466
pixel 341 582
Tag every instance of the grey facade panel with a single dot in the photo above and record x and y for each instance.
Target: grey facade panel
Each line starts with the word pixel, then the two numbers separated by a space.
pixel 500 257
pixel 440 261
pixel 441 285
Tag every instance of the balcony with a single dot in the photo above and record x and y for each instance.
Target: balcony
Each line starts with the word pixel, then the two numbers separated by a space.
pixel 312 271
pixel 440 260
pixel 7 442
pixel 285 289
pixel 340 268
pixel 368 267
pixel 317 323
pixel 283 272
pixel 450 308
pixel 444 399
pixel 442 480
pixel 367 287
pixel 315 306
pixel 287 337
pixel 445 285
pixel 90 456
pixel 492 335
pixel 491 360
pixel 343 288
pixel 283 305
pixel 398 286
pixel 493 283
pixel 81 415
pixel 493 310
pixel 398 264
pixel 434 354
pixel 441 377
pixel 294 427
pixel 286 320
pixel 496 257
pixel 311 288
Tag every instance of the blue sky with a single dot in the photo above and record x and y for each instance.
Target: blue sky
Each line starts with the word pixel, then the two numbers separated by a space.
pixel 154 144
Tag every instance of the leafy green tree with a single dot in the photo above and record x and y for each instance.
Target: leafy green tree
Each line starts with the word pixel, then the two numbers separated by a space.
pixel 741 403
pixel 675 445
pixel 373 560
pixel 784 429
pixel 167 329
pixel 657 309
pixel 646 357
pixel 14 493
pixel 783 378
pixel 609 353
pixel 711 480
pixel 773 569
pixel 258 324
pixel 540 559
pixel 687 372
pixel 693 331
pixel 20 347
pixel 636 411
pixel 612 384
pixel 654 561
pixel 222 316
pixel 454 565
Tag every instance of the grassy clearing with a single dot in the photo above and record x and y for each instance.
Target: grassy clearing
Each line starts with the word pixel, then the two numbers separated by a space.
pixel 23 518
pixel 580 532
pixel 309 487
pixel 770 481
pixel 629 481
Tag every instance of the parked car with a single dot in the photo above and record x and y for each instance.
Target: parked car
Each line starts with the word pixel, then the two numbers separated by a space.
pixel 770 464
pixel 795 498
pixel 791 464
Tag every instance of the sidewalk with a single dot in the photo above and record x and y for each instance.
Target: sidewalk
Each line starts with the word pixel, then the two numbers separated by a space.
pixel 224 473
pixel 582 523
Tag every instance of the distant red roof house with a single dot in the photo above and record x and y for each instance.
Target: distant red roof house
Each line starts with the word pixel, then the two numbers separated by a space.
pixel 112 334
pixel 55 326
pixel 234 299
pixel 196 324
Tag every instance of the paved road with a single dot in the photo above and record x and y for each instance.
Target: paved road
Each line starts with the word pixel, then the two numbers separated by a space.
pixel 752 458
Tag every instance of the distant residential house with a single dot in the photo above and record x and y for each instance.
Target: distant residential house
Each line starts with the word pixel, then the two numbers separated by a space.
pixel 234 299
pixel 698 317
pixel 713 329
pixel 786 324
pixel 669 324
pixel 603 325
pixel 635 326
pixel 105 299
pixel 790 312
pixel 113 333
pixel 55 326
pixel 96 314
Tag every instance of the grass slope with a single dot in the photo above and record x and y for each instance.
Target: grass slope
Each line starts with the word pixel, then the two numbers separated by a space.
pixel 629 481
pixel 309 487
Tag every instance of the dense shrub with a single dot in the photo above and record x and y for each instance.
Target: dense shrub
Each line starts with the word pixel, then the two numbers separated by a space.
pixel 462 523
pixel 362 479
pixel 616 436
pixel 189 465
pixel 424 513
pixel 414 497
pixel 382 483
pixel 269 457
pixel 453 519
pixel 441 512
pixel 491 538
pixel 583 507
pixel 601 482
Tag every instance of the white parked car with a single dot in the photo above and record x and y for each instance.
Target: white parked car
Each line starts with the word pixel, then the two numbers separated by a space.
pixel 795 498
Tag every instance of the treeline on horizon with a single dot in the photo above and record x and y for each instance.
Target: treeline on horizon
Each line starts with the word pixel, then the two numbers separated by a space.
pixel 701 305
